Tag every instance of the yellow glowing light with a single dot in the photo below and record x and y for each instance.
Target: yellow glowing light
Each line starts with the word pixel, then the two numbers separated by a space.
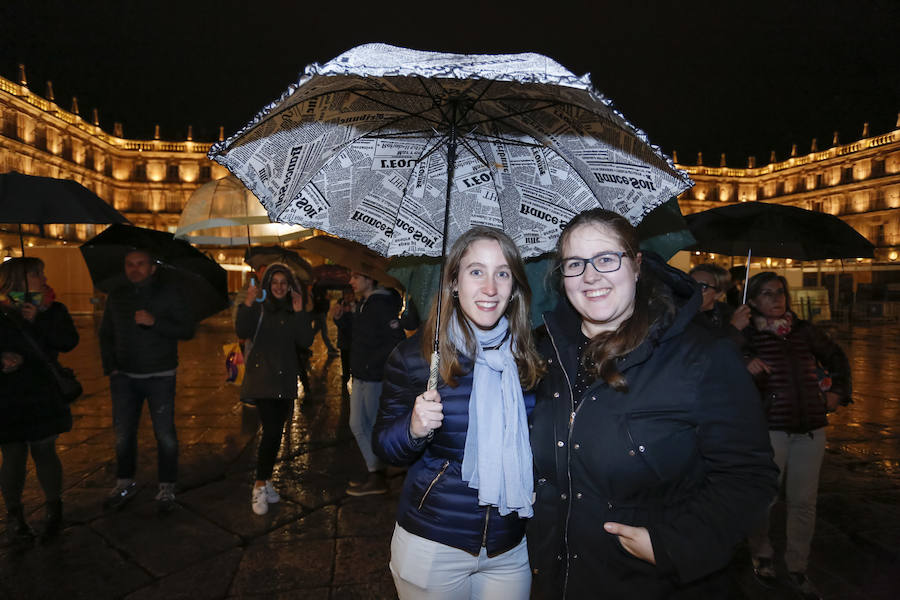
pixel 221 256
pixel 768 262
pixel 859 260
pixel 31 244
pixel 788 261
pixel 697 253
pixel 893 255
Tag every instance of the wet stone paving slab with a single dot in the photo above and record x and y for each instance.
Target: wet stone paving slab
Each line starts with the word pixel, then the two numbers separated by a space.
pixel 319 543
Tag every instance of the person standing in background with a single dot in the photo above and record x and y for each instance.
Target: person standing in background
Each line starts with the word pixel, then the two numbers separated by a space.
pixel 34 328
pixel 142 324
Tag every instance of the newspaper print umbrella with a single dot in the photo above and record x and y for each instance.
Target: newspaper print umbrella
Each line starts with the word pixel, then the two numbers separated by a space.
pixel 403 150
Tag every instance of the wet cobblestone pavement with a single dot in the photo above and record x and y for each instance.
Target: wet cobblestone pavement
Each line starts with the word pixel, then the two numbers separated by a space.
pixel 319 543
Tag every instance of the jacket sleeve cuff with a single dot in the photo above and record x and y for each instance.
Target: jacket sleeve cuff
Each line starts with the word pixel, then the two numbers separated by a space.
pixel 664 563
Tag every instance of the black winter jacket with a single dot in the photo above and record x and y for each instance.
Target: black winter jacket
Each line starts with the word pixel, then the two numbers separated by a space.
pixel 272 365
pixel 128 347
pixel 376 331
pixel 436 503
pixel 684 452
pixel 31 408
pixel 791 393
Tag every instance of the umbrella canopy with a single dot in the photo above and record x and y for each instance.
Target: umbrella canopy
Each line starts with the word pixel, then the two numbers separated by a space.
pixel 225 213
pixel 353 256
pixel 204 283
pixel 333 276
pixel 776 230
pixel 42 200
pixel 259 256
pixel 403 150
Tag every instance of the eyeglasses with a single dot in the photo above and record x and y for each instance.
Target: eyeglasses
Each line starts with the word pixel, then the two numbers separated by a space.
pixel 706 286
pixel 605 262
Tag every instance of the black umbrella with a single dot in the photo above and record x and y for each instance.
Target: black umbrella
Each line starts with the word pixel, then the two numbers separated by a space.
pixel 203 281
pixel 42 200
pixel 776 230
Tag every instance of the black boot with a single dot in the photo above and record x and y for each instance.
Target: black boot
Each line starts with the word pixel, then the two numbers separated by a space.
pixel 53 521
pixel 17 529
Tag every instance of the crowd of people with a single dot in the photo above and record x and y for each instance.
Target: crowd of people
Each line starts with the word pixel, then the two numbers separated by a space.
pixel 627 445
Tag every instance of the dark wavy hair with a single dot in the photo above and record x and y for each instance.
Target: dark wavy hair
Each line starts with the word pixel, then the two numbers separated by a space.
pixel 531 367
pixel 599 358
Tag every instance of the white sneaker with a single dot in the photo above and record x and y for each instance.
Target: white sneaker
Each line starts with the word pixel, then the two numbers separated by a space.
pixel 272 496
pixel 258 500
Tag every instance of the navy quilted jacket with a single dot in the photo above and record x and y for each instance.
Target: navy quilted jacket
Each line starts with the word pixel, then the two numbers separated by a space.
pixel 436 503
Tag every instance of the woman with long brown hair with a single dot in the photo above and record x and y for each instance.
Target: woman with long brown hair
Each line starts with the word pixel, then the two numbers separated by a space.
pixel 650 449
pixel 468 493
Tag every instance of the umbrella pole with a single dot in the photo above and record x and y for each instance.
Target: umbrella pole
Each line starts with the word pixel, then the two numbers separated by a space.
pixel 451 160
pixel 746 276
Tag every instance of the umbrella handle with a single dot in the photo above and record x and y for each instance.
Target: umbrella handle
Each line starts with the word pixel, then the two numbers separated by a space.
pixel 433 370
pixel 263 298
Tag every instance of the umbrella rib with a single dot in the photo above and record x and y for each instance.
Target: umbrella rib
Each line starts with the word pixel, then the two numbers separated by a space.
pixel 405 112
pixel 422 156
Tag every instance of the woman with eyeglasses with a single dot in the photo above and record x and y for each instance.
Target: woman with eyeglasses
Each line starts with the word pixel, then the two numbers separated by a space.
pixel 651 455
pixel 719 317
pixel 802 375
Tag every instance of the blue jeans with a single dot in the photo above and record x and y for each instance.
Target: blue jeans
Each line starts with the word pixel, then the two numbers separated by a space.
pixel 128 394
pixel 364 399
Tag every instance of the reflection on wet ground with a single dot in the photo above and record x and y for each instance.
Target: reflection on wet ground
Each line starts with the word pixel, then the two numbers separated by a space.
pixel 319 543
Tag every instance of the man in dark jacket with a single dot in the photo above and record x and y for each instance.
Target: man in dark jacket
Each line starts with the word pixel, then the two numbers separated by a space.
pixel 142 323
pixel 376 330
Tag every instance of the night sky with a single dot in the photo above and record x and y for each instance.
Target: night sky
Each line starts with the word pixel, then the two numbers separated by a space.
pixel 736 77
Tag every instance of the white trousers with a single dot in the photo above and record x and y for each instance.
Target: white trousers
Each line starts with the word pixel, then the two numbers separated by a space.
pixel 799 458
pixel 427 570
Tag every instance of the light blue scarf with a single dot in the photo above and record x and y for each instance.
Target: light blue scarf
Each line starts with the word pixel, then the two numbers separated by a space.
pixel 497 456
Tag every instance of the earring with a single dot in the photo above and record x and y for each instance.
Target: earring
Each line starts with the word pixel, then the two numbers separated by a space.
pixel 455 294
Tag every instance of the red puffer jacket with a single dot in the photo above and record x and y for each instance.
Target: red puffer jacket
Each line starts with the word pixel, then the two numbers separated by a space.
pixel 794 401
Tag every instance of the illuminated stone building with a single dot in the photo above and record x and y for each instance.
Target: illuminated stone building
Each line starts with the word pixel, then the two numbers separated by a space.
pixel 148 181
pixel 858 182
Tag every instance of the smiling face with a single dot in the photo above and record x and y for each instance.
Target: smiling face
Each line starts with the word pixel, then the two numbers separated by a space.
pixel 771 300
pixel 604 300
pixel 279 286
pixel 708 284
pixel 484 283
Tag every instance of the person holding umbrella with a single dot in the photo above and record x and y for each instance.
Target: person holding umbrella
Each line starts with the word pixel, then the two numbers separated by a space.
pixel 786 357
pixel 719 317
pixel 468 492
pixel 651 458
pixel 34 328
pixel 278 328
pixel 143 321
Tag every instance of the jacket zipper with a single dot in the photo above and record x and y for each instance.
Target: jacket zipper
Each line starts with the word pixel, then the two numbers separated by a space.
pixel 572 413
pixel 487 513
pixel 433 481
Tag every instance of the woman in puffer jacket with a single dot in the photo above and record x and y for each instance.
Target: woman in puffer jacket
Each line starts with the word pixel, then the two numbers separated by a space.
pixel 468 493
pixel 789 358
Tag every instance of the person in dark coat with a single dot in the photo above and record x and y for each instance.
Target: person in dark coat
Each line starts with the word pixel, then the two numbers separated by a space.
pixel 802 374
pixel 468 493
pixel 342 315
pixel 32 411
pixel 143 321
pixel 719 317
pixel 376 331
pixel 651 456
pixel 277 328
